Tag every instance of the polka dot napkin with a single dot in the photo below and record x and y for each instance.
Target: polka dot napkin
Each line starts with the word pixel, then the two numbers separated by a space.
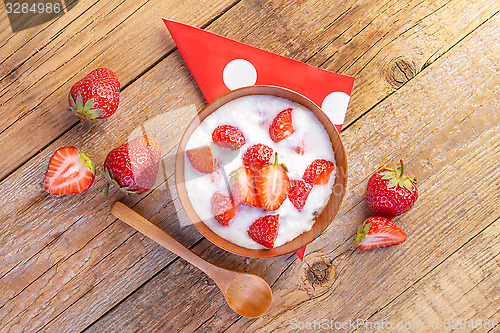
pixel 219 65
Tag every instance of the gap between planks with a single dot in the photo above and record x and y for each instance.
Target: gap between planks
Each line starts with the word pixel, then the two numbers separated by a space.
pixel 364 113
pixel 435 267
pixel 346 127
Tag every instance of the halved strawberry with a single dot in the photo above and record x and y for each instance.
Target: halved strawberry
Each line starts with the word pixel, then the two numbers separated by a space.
pixel 272 185
pixel 69 172
pixel 318 172
pixel 299 191
pixel 257 155
pixel 223 208
pixel 378 232
pixel 264 230
pixel 201 159
pixel 227 136
pixel 242 182
pixel 281 127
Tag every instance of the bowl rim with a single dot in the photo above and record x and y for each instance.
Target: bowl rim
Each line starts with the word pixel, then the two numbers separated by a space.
pixel 341 177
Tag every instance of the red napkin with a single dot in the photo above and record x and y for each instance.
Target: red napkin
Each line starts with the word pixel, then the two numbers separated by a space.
pixel 219 64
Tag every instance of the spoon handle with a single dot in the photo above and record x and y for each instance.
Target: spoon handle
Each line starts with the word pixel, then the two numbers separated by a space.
pixel 147 228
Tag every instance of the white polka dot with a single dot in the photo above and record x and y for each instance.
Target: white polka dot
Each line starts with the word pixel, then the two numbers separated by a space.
pixel 239 73
pixel 335 106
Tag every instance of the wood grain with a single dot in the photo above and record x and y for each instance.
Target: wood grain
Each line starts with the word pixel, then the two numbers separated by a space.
pixel 64 265
pixel 38 71
pixel 462 127
pixel 82 242
pixel 291 34
pixel 463 290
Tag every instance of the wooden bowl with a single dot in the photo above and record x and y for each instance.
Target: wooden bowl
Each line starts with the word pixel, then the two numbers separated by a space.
pixel 328 213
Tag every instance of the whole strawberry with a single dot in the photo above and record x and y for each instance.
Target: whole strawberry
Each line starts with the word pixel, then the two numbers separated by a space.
pixel 133 166
pixel 390 193
pixel 96 95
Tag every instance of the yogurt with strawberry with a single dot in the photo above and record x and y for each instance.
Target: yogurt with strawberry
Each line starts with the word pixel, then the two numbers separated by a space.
pixel 234 199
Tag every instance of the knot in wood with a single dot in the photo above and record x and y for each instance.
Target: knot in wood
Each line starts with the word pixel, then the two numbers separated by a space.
pixel 400 71
pixel 318 273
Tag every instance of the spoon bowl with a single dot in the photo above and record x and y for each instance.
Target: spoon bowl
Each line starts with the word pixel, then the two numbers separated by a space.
pixel 247 294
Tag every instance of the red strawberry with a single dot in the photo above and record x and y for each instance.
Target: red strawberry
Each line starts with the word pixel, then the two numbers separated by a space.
pixel 133 166
pixel 201 159
pixel 223 208
pixel 318 172
pixel 299 191
pixel 272 185
pixel 264 230
pixel 378 232
pixel 281 127
pixel 69 172
pixel 257 155
pixel 300 148
pixel 96 95
pixel 227 136
pixel 390 193
pixel 242 181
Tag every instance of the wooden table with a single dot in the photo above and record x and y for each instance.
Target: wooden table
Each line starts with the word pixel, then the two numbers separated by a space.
pixel 426 91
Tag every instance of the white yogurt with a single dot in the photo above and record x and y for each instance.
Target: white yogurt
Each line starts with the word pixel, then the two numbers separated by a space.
pixel 253 115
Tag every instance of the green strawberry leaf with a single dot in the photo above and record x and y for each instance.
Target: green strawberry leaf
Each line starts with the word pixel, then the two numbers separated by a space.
pixel 393 183
pixel 362 232
pixel 89 104
pixel 407 184
pixel 79 101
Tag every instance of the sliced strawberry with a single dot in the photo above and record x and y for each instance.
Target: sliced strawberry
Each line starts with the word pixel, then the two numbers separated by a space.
pixel 201 159
pixel 318 172
pixel 227 136
pixel 257 155
pixel 299 191
pixel 223 208
pixel 264 230
pixel 378 232
pixel 281 127
pixel 69 172
pixel 300 148
pixel 272 185
pixel 242 181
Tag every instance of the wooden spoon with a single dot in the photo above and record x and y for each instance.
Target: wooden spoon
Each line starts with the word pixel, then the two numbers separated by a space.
pixel 247 294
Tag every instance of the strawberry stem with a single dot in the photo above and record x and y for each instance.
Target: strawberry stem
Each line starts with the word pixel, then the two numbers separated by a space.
pixel 402 168
pixel 276 159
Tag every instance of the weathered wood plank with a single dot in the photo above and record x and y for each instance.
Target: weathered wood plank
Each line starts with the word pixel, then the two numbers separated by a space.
pixel 384 47
pixel 455 137
pixel 71 247
pixel 287 34
pixel 126 36
pixel 458 293
pixel 76 243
